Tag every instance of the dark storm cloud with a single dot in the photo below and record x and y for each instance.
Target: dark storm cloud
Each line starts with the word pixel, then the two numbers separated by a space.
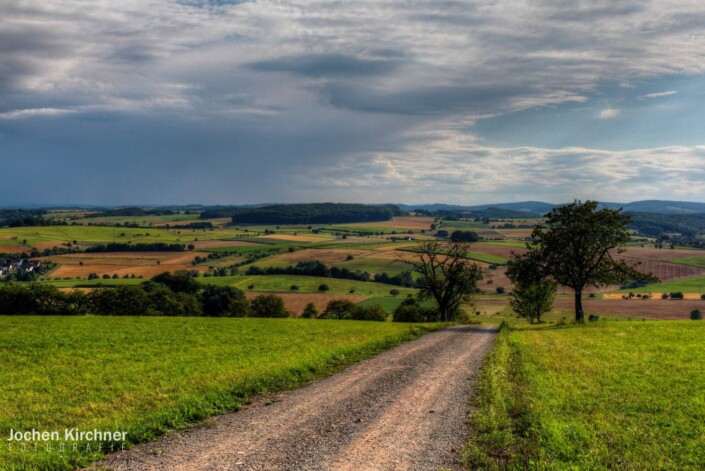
pixel 227 101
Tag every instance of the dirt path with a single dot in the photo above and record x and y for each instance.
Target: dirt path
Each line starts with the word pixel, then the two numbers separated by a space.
pixel 404 409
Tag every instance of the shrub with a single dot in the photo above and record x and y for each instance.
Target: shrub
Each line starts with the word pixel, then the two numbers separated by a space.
pixel 370 313
pixel 664 295
pixel 696 315
pixel 410 311
pixel 268 305
pixel 310 311
pixel 593 318
pixel 500 290
pixel 179 282
pixel 339 309
pixel 394 292
pixel 294 287
pixel 702 296
pixel 224 301
pixel 677 295
pixel 323 287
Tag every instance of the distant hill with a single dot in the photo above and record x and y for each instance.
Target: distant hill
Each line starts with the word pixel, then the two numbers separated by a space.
pixel 539 208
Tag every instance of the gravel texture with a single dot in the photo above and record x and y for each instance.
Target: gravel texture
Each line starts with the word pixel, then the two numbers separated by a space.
pixel 404 409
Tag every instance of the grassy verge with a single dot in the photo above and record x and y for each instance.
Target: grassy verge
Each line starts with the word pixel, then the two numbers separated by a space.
pixel 611 395
pixel 498 411
pixel 148 375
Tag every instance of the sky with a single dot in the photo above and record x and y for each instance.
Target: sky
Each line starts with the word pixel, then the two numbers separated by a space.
pixel 464 102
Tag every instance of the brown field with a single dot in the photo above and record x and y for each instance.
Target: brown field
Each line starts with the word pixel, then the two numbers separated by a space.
pixel 493 279
pixel 666 271
pixel 651 253
pixel 514 233
pixel 488 233
pixel 403 222
pixel 14 248
pixel 48 245
pixel 295 238
pixel 122 263
pixel 296 302
pixel 210 244
pixel 327 256
pixel 497 250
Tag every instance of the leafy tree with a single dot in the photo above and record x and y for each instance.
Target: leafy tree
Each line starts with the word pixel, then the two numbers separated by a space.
pixel 532 300
pixel 179 282
pixel 448 275
pixel 310 311
pixel 268 305
pixel 338 309
pixel 464 236
pixel 224 301
pixel 574 246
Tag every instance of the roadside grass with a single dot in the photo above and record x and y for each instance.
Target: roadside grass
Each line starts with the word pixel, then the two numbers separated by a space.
pixel 148 375
pixel 695 284
pixel 624 395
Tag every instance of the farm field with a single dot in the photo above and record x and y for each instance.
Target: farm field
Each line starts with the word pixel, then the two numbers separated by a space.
pixel 403 223
pixel 140 264
pixel 624 395
pixel 55 236
pixel 145 375
pixel 686 285
pixel 306 284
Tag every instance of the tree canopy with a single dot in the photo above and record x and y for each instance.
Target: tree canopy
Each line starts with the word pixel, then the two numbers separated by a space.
pixel 575 246
pixel 448 275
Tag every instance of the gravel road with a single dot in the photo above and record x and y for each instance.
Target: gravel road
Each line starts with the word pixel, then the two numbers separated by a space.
pixel 404 409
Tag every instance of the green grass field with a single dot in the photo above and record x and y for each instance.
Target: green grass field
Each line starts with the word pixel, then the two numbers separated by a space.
pixel 146 375
pixel 606 396
pixel 306 284
pixel 91 235
pixel 695 284
pixel 695 261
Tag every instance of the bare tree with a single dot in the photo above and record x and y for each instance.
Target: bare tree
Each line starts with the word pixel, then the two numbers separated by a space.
pixel 448 275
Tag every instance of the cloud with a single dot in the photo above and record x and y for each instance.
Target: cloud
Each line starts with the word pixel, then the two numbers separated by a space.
pixel 610 113
pixel 34 112
pixel 659 94
pixel 367 91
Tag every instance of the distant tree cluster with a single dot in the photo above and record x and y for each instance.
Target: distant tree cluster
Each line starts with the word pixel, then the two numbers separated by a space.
pixel 129 212
pixel 464 236
pixel 141 247
pixel 315 213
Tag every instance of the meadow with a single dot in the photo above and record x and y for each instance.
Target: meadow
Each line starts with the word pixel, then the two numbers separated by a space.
pixel 146 375
pixel 624 395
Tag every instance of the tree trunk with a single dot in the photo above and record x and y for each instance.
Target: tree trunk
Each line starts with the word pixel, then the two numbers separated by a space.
pixel 579 314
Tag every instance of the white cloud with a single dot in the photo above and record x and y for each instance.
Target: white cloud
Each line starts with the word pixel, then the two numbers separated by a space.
pixel 34 112
pixel 659 94
pixel 609 113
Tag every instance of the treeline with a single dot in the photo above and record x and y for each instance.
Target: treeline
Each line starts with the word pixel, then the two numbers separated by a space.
pixel 656 225
pixel 317 268
pixel 8 216
pixel 166 295
pixel 314 213
pixel 129 212
pixel 141 247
